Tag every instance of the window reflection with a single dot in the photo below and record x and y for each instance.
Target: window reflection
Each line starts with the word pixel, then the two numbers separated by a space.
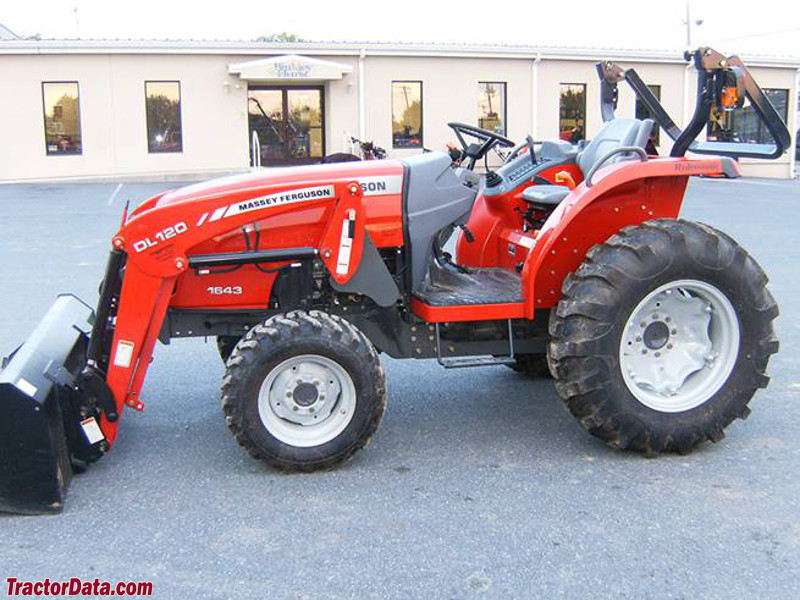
pixel 163 107
pixel 743 124
pixel 265 116
pixel 492 106
pixel 305 123
pixel 572 112
pixel 62 118
pixel 407 114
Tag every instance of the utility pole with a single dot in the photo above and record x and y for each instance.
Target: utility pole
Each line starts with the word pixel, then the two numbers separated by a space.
pixel 688 23
pixel 77 22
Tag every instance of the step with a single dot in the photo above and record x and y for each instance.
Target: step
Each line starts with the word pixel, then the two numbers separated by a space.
pixel 462 362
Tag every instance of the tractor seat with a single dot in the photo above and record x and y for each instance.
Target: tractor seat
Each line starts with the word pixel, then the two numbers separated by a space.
pixel 614 134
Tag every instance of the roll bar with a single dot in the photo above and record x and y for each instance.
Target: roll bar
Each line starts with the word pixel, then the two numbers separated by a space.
pixel 712 68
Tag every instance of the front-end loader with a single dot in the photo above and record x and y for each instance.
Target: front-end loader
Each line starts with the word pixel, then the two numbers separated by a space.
pixel 657 330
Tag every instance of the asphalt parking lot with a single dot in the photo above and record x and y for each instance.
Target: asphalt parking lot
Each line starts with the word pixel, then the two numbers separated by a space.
pixel 478 484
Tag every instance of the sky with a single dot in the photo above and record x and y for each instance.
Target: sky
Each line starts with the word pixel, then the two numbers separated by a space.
pixel 770 27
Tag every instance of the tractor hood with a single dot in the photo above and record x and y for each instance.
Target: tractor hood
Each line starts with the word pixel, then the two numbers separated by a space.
pixel 379 177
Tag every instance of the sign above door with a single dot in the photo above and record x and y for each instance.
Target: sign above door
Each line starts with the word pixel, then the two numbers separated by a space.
pixel 291 67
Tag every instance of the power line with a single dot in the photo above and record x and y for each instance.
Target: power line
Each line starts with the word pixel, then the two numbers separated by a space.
pixel 754 35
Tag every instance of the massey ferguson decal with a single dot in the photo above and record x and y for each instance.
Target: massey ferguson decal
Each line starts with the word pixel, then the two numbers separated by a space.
pixel 381 185
pixel 321 192
pixel 377 185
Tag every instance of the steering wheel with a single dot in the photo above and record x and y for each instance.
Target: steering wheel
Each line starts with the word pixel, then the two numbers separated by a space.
pixel 486 141
pixel 528 143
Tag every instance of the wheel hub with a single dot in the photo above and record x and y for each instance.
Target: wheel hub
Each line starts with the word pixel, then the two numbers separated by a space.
pixel 305 394
pixel 679 345
pixel 306 400
pixel 656 335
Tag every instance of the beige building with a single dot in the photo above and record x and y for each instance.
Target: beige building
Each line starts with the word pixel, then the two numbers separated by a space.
pixel 163 109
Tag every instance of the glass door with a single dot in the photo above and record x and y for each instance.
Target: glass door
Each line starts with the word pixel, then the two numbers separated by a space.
pixel 286 125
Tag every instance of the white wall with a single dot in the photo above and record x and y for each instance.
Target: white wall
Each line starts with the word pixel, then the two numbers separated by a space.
pixel 449 93
pixel 113 123
pixel 214 107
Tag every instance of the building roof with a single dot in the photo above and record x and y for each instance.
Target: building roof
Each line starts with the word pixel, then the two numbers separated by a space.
pixel 331 48
pixel 7 34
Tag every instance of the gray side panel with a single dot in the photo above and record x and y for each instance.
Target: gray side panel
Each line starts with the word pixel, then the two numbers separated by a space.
pixel 372 278
pixel 435 199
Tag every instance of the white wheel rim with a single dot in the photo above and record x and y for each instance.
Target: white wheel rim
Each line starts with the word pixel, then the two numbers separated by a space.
pixel 679 346
pixel 307 400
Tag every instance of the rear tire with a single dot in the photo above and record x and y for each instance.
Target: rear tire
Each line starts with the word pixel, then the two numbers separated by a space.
pixel 532 365
pixel 304 391
pixel 614 317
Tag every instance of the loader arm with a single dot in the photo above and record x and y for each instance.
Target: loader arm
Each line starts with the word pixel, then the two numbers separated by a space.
pixel 158 244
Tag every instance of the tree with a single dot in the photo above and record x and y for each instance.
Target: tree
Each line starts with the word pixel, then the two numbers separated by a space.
pixel 283 36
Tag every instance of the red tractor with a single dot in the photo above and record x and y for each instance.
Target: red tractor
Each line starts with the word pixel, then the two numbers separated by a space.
pixel 657 330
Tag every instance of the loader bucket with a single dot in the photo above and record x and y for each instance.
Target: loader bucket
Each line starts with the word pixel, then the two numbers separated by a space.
pixel 35 384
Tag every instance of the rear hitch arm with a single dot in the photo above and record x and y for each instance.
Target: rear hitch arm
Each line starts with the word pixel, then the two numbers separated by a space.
pixel 710 66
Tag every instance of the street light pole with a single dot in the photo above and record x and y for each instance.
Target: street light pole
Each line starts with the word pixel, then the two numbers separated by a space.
pixel 688 22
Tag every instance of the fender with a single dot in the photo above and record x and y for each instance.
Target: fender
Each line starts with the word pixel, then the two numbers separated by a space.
pixel 621 195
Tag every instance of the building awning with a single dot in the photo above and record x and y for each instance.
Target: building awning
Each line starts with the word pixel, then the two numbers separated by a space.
pixel 291 67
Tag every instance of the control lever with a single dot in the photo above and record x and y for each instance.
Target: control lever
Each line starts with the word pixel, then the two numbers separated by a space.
pixel 467 233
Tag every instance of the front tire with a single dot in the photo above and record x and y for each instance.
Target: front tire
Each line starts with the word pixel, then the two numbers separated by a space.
pixel 304 391
pixel 225 346
pixel 662 336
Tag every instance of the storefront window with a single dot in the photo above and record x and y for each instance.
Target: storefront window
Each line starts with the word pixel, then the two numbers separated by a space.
pixel 492 106
pixel 643 113
pixel 572 112
pixel 743 124
pixel 163 107
pixel 286 124
pixel 62 118
pixel 407 114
